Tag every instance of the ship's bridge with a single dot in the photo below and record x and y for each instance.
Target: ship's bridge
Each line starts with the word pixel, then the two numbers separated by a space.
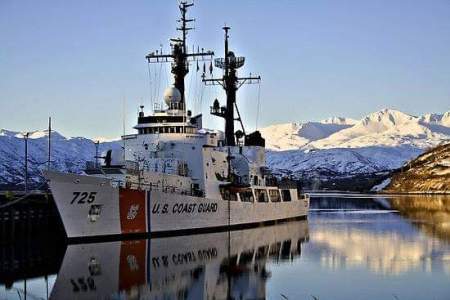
pixel 166 123
pixel 173 119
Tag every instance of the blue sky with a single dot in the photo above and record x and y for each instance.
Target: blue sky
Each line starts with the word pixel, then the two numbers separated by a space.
pixel 78 61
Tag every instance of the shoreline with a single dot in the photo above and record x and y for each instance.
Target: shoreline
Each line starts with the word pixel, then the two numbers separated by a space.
pixel 374 194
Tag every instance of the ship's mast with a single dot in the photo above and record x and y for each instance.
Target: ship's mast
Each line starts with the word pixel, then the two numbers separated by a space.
pixel 179 56
pixel 230 83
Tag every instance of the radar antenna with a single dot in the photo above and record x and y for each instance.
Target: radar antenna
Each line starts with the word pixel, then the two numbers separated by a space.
pixel 230 83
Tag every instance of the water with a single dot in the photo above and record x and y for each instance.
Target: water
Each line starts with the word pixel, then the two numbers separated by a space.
pixel 349 248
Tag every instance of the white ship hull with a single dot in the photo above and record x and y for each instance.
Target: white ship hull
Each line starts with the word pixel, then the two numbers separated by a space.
pixel 90 207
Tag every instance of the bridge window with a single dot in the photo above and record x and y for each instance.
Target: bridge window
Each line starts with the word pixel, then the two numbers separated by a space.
pixel 274 195
pixel 286 195
pixel 227 194
pixel 261 195
pixel 246 196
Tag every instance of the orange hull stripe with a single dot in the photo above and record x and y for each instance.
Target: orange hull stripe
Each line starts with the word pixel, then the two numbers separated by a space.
pixel 132 211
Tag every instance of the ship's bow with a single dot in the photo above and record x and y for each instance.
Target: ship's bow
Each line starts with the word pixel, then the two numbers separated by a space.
pixel 87 205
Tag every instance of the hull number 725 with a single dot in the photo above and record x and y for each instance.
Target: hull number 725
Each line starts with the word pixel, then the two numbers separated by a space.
pixel 83 197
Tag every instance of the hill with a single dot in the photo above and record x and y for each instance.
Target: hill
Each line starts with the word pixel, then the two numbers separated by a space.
pixel 430 172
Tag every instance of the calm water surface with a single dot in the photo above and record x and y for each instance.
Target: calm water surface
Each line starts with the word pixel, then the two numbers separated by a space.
pixel 349 248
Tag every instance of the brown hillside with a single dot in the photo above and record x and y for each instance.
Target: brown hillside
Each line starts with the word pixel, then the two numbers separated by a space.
pixel 430 172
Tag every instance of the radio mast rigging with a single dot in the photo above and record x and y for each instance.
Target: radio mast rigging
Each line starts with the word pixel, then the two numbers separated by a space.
pixel 230 83
pixel 179 56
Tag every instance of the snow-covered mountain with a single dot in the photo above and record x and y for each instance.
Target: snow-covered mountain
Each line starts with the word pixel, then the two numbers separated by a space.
pixel 382 140
pixel 334 147
pixel 67 154
pixel 292 136
pixel 388 128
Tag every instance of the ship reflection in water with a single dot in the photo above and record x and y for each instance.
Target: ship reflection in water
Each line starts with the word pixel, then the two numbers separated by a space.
pixel 384 248
pixel 208 266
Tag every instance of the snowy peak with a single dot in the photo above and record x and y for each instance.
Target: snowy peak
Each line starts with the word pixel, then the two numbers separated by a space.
pixel 387 127
pixel 292 136
pixel 437 119
pixel 283 136
pixel 314 131
pixel 445 121
pixel 386 118
pixel 102 139
pixel 7 133
pixel 43 134
pixel 339 121
pixel 38 134
pixel 431 118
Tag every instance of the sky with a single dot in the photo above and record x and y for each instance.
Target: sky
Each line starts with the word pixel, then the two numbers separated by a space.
pixel 83 62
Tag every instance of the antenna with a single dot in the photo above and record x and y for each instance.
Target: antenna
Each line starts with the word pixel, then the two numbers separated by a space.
pixel 96 153
pixel 258 105
pixel 49 142
pixel 230 83
pixel 179 56
pixel 123 115
pixel 123 126
pixel 25 136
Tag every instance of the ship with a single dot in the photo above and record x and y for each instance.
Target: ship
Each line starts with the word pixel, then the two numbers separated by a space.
pixel 173 176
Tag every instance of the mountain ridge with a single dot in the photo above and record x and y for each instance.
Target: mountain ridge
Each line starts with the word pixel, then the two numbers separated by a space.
pixel 334 147
pixel 379 142
pixel 387 127
pixel 67 155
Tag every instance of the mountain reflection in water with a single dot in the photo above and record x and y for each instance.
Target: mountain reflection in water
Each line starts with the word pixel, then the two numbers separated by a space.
pixel 349 248
pixel 396 251
pixel 380 240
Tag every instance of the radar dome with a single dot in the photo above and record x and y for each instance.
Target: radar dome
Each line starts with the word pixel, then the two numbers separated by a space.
pixel 172 95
